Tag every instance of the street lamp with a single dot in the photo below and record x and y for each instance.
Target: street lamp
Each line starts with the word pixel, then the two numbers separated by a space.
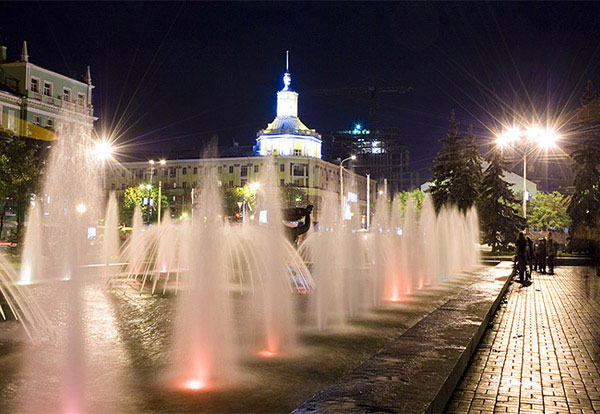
pixel 103 151
pixel 352 157
pixel 544 138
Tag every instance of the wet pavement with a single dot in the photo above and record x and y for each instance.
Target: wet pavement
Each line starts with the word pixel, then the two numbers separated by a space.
pixel 543 352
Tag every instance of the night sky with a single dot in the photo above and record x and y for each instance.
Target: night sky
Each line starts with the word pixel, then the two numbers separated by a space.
pixel 169 76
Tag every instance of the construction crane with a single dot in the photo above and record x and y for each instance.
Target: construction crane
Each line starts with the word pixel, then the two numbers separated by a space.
pixel 371 91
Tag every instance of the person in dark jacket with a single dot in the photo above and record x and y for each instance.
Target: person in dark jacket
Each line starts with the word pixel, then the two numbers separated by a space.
pixel 540 255
pixel 521 254
pixel 530 256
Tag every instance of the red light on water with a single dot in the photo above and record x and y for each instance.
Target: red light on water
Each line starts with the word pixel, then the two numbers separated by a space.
pixel 266 354
pixel 194 385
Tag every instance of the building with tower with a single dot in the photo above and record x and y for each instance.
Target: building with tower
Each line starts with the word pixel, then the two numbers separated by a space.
pixel 286 141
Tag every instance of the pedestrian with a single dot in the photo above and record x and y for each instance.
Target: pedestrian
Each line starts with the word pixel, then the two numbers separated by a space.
pixel 521 254
pixel 530 256
pixel 540 255
pixel 551 248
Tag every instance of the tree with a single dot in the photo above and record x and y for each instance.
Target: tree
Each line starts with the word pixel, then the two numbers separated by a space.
pixel 19 176
pixel 134 196
pixel 500 220
pixel 232 196
pixel 584 208
pixel 457 169
pixel 548 210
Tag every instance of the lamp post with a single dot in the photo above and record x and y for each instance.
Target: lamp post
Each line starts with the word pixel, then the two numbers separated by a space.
pixel 103 151
pixel 163 163
pixel 352 157
pixel 544 138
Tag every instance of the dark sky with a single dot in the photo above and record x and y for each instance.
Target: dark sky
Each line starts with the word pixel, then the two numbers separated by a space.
pixel 169 75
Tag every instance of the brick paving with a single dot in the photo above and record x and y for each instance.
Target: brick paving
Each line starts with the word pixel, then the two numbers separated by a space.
pixel 543 352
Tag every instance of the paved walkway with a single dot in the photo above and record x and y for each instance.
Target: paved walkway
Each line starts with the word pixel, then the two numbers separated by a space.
pixel 543 353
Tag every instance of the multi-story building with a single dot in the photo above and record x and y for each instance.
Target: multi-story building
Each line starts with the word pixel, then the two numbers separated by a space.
pixel 34 99
pixel 286 142
pixel 378 153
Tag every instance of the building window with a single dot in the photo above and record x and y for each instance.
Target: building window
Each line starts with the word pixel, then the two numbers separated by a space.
pixel 282 182
pixel 256 168
pixel 50 123
pixel 123 186
pixel 175 185
pixel 244 171
pixel 195 170
pixel 243 182
pixel 298 170
pixel 35 85
pixel 282 167
pixel 194 184
pixel 81 99
pixel 220 170
pixel 11 118
pixel 297 152
pixel 66 95
pixel 112 186
pixel 230 183
pixel 123 173
pixel 184 184
pixel 173 172
pixel 37 120
pixel 231 169
pixel 184 171
pixel 165 172
pixel 47 88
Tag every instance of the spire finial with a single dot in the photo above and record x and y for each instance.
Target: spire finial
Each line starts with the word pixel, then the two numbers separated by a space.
pixel 287 60
pixel 24 54
pixel 88 76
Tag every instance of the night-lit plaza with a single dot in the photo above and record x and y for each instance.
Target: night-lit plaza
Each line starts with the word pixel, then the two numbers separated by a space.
pixel 361 207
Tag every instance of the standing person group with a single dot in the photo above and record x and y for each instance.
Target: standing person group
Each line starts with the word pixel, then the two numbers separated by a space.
pixel 531 257
pixel 545 251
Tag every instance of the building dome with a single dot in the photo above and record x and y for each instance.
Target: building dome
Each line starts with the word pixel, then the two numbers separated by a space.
pixel 287 135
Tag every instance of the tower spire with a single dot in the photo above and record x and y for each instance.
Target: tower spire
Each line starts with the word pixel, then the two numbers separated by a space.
pixel 287 61
pixel 24 54
pixel 88 76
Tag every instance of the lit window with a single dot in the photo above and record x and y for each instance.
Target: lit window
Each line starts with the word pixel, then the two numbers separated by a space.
pixel 12 125
pixel 35 85
pixel 175 185
pixel 47 88
pixel 66 95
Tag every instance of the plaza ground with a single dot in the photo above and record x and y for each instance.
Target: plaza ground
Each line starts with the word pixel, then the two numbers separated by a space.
pixel 542 353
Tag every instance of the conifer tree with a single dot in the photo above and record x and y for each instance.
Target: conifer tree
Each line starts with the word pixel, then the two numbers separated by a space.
pixel 500 220
pixel 457 169
pixel 584 208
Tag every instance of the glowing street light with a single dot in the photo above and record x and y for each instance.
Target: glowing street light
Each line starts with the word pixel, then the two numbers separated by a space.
pixel 81 208
pixel 103 150
pixel 544 138
pixel 162 162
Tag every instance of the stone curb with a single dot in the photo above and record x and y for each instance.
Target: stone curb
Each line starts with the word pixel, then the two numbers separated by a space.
pixel 418 371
